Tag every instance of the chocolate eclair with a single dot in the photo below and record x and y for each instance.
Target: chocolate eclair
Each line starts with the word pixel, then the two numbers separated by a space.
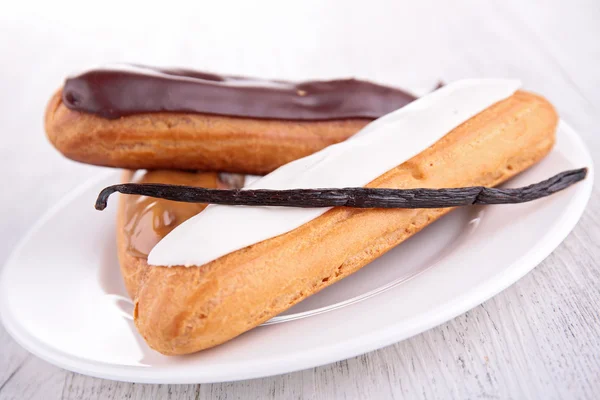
pixel 138 117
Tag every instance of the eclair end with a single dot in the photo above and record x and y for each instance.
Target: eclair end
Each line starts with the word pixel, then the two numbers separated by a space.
pixel 61 128
pixel 49 115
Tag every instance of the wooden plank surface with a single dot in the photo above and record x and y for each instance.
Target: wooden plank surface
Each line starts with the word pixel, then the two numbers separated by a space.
pixel 538 339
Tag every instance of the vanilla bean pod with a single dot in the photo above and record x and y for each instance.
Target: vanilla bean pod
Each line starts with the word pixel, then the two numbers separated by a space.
pixel 350 197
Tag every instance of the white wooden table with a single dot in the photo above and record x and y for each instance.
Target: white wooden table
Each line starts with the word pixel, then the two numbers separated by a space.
pixel 538 339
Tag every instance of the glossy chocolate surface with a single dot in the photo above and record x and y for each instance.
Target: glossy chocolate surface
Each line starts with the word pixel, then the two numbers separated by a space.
pixel 124 90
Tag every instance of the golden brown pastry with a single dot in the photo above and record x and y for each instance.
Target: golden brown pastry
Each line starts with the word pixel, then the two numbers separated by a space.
pixel 148 118
pixel 189 141
pixel 181 310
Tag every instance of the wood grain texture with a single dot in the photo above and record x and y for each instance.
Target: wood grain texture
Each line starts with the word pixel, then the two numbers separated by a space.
pixel 538 339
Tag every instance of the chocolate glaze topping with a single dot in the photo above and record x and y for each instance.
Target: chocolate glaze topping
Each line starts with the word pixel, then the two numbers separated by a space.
pixel 122 90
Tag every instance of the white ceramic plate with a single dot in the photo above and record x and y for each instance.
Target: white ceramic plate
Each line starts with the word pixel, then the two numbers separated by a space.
pixel 62 298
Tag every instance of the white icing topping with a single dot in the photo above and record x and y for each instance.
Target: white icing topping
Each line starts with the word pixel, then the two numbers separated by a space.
pixel 380 146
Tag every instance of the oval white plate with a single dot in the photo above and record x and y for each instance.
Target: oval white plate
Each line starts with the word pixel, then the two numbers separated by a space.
pixel 62 298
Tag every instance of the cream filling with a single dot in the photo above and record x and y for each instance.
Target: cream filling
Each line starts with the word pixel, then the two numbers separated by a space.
pixel 380 146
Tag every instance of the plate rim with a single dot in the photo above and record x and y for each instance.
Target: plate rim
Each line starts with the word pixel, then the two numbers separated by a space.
pixel 377 339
